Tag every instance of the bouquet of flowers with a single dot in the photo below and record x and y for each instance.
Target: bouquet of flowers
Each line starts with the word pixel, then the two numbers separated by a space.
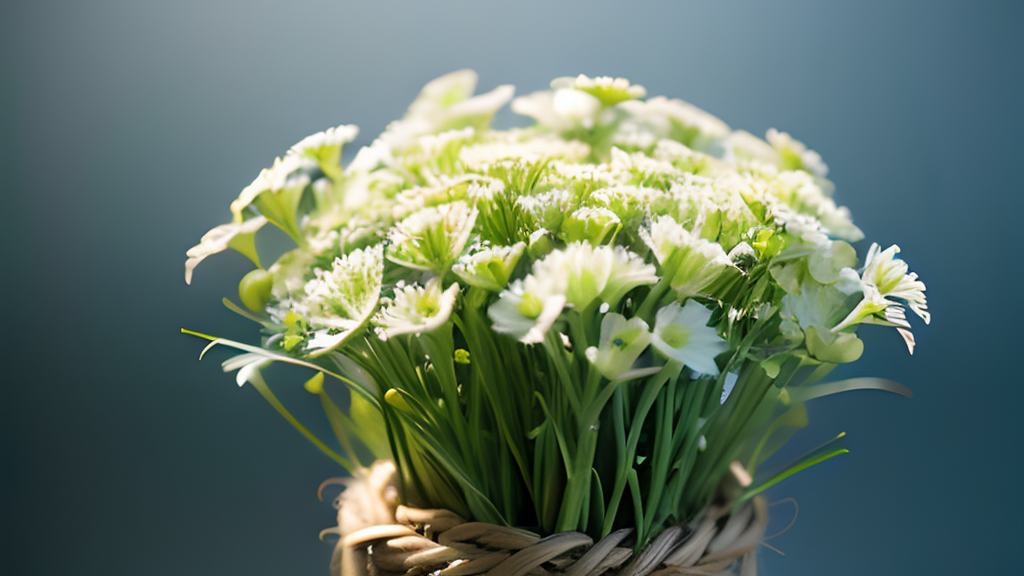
pixel 601 325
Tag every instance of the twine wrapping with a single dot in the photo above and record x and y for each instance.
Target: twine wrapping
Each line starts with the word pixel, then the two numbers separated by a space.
pixel 381 538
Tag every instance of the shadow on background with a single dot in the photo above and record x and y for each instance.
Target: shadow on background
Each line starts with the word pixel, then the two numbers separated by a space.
pixel 127 129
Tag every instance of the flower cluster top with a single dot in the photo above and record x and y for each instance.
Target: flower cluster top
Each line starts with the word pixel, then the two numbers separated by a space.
pixel 649 215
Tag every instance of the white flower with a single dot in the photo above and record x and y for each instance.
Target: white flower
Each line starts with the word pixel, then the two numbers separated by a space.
pixel 590 273
pixel 478 110
pixel 801 192
pixel 541 107
pixel 885 282
pixel 528 151
pixel 594 225
pixel 676 119
pixel 622 342
pixel 280 178
pixel 341 300
pixel 528 308
pixel 795 155
pixel 628 270
pixel 575 101
pixel 548 209
pixel 742 148
pixel 371 157
pixel 237 235
pixel 889 274
pixel 631 204
pixel 692 263
pixel 641 165
pixel 682 334
pixel 326 146
pixel 609 91
pixel 418 309
pixel 447 103
pixel 489 267
pixel 575 105
pixel 434 144
pixel 432 238
pixel 444 91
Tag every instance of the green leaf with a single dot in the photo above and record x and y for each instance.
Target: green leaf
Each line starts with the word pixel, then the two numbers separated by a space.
pixel 597 510
pixel 824 452
pixel 563 448
pixel 243 312
pixel 803 394
pixel 261 386
pixel 245 244
pixel 275 357
pixel 845 349
pixel 368 423
pixel 779 432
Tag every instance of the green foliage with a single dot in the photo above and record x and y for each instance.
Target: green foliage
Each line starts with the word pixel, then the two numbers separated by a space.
pixel 588 324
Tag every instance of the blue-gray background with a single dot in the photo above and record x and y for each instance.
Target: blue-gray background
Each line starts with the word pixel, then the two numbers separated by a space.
pixel 127 128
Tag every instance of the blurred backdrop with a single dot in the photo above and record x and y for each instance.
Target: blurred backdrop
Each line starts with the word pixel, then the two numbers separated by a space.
pixel 127 128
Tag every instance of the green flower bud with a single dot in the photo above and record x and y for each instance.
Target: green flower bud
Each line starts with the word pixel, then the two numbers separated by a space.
pixel 315 385
pixel 254 289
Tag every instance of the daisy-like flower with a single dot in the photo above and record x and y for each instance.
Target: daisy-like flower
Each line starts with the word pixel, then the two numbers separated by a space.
pixel 590 273
pixel 678 120
pixel 280 179
pixel 489 267
pixel 237 235
pixel 628 271
pixel 682 334
pixel 445 103
pixel 632 204
pixel 432 238
pixel 794 154
pixel 276 193
pixel 435 144
pixel 341 300
pixel 575 101
pixel 448 103
pixel 417 309
pixel 594 225
pixel 325 147
pixel 528 308
pixel 478 156
pixel 540 106
pixel 886 285
pixel 548 209
pixel 692 263
pixel 622 342
pixel 641 166
pixel 801 192
pixel 575 105
pixel 889 274
pixel 609 91
pixel 743 148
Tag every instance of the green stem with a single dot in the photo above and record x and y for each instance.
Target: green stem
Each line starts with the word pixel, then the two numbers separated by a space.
pixel 256 379
pixel 556 352
pixel 647 398
pixel 661 457
pixel 653 299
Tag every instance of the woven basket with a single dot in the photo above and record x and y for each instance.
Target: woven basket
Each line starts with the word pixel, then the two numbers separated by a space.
pixel 380 538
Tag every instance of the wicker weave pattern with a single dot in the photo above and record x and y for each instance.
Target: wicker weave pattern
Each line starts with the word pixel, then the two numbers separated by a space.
pixel 439 542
